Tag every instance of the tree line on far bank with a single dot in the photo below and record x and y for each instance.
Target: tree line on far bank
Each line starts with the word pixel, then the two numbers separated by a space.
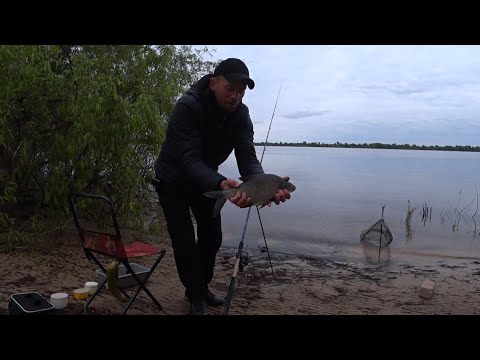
pixel 376 146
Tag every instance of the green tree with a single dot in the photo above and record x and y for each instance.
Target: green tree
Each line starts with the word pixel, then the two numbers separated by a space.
pixel 85 118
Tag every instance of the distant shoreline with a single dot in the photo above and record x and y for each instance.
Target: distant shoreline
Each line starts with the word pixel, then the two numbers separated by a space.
pixel 467 148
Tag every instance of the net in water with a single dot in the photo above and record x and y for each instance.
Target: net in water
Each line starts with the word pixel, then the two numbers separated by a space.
pixel 377 235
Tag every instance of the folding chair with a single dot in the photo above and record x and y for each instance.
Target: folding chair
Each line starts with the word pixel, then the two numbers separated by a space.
pixel 113 247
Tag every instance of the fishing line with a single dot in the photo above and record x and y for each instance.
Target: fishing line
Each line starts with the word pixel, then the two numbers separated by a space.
pixel 238 258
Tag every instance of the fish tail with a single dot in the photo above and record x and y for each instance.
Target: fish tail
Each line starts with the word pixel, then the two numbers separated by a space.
pixel 221 196
pixel 218 206
pixel 221 199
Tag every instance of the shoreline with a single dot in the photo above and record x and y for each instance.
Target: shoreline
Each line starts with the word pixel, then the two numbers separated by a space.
pixel 301 284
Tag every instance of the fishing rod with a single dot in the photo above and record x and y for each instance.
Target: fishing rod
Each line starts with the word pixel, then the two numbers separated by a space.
pixel 239 263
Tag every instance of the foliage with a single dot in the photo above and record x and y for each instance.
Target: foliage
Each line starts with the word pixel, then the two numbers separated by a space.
pixel 84 118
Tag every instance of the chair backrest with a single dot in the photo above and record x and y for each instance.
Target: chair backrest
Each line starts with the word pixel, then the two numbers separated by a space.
pixel 107 244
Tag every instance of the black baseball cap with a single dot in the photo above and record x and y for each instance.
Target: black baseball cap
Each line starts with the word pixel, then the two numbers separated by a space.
pixel 234 70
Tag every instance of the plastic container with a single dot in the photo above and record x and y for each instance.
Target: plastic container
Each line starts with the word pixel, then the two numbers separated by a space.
pixel 91 286
pixel 59 300
pixel 81 294
pixel 126 280
pixel 29 304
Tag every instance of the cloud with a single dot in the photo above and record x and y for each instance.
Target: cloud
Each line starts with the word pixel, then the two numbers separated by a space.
pixel 384 93
pixel 305 113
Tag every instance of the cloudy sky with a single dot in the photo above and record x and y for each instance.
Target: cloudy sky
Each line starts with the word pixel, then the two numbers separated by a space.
pixel 423 95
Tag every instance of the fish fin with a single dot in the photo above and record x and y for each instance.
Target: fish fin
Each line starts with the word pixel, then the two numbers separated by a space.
pixel 218 206
pixel 262 206
pixel 269 201
pixel 247 177
pixel 214 194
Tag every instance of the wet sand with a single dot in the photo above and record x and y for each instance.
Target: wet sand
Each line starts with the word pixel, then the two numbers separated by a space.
pixel 299 285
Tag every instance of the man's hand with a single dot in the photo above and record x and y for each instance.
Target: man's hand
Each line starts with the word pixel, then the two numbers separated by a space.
pixel 281 195
pixel 228 183
pixel 240 199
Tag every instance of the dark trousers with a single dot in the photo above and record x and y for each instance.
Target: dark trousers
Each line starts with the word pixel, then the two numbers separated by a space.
pixel 195 259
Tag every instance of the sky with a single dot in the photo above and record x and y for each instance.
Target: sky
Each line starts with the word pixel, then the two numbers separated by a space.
pixel 403 94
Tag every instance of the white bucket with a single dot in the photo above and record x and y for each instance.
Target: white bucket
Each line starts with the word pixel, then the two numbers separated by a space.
pixel 91 286
pixel 59 300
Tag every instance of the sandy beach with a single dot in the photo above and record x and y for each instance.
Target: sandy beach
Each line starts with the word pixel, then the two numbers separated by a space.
pixel 299 285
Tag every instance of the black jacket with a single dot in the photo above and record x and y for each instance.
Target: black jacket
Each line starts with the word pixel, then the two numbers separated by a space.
pixel 200 136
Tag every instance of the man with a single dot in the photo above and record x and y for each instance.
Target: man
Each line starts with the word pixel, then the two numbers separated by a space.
pixel 207 124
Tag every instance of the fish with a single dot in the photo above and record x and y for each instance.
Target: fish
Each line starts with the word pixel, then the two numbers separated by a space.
pixel 112 278
pixel 260 188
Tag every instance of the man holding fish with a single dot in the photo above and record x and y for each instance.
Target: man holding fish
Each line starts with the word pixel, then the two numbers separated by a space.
pixel 209 122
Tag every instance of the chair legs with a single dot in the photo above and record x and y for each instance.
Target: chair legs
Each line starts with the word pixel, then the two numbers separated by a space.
pixel 111 245
pixel 132 298
pixel 141 286
pixel 94 295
